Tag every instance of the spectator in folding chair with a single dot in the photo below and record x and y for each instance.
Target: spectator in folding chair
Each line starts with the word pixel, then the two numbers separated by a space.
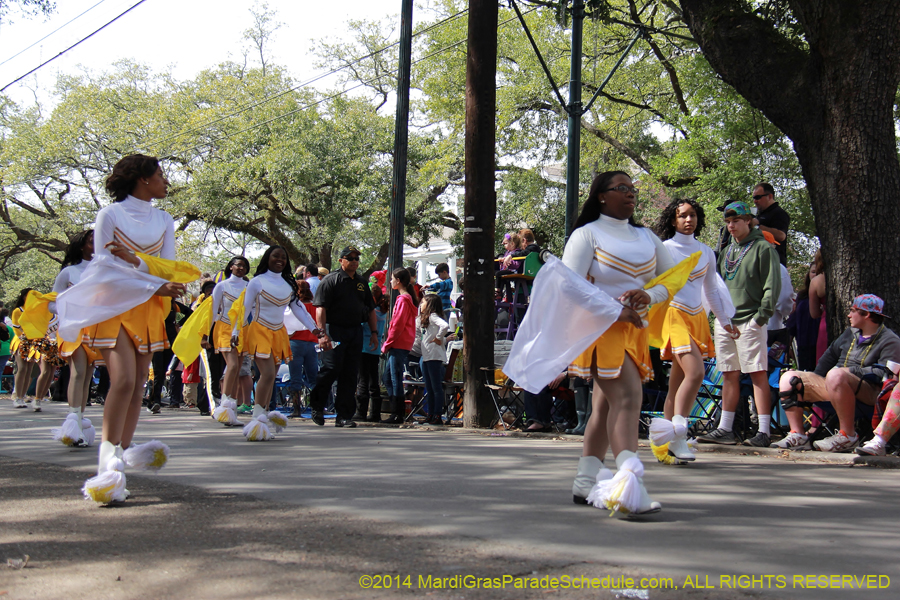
pixel 889 423
pixel 538 407
pixel 845 373
pixel 750 268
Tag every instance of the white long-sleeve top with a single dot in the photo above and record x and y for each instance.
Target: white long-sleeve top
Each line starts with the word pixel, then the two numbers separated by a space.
pixel 616 257
pixel 785 304
pixel 436 330
pixel 138 225
pixel 702 280
pixel 224 295
pixel 69 276
pixel 266 297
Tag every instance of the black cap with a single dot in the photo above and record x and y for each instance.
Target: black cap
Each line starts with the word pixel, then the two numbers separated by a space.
pixel 349 250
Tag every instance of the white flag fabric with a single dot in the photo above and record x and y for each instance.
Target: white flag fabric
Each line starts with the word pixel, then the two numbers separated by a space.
pixel 108 287
pixel 566 315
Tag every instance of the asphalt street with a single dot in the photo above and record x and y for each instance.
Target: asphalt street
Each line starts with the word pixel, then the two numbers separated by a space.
pixel 728 515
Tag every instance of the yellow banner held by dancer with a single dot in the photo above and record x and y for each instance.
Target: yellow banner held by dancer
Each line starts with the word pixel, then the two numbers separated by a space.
pixel 673 280
pixel 187 344
pixel 36 316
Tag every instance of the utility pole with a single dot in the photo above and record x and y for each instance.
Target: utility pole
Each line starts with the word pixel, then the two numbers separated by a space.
pixel 401 145
pixel 480 207
pixel 573 151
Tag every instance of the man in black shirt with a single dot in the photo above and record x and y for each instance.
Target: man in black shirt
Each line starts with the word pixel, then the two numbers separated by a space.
pixel 344 301
pixel 772 218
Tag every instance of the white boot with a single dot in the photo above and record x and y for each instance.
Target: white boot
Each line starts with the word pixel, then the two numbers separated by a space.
pixel 590 470
pixel 625 492
pixel 678 446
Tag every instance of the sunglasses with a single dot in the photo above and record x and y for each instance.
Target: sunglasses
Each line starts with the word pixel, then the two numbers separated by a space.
pixel 759 196
pixel 352 258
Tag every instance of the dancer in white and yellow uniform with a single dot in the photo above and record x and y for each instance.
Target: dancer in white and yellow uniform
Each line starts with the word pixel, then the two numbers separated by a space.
pixel 686 336
pixel 124 297
pixel 269 294
pixel 223 296
pixel 76 430
pixel 620 258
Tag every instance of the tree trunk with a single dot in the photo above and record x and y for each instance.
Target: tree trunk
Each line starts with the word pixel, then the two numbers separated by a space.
pixel 480 208
pixel 834 100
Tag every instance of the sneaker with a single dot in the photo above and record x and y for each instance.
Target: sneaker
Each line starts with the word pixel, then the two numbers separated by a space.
pixel 839 442
pixel 317 417
pixel 760 440
pixel 344 423
pixel 243 409
pixel 874 447
pixel 793 441
pixel 156 408
pixel 19 403
pixel 719 436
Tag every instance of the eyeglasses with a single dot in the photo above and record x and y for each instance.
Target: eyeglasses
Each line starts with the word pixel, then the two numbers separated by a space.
pixel 351 258
pixel 760 196
pixel 623 189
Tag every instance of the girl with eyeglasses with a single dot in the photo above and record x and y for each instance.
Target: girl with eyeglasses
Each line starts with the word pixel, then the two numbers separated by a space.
pixel 619 257
pixel 223 296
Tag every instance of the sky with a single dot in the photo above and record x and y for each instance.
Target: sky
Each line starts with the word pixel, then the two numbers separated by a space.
pixel 184 35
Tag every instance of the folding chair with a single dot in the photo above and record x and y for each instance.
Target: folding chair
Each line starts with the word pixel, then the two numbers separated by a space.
pixel 704 415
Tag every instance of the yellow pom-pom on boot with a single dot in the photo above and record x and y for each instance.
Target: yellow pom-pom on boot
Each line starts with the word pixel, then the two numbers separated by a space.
pixel 109 484
pixel 151 456
pixel 257 430
pixel 624 493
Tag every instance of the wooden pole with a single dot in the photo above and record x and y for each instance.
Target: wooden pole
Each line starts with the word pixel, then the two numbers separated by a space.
pixel 480 208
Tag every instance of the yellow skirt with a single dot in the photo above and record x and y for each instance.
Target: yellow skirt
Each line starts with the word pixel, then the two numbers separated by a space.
pixel 607 354
pixel 144 324
pixel 221 337
pixel 680 328
pixel 262 342
pixel 67 349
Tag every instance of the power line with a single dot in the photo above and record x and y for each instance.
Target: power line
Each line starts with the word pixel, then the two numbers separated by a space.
pixel 267 99
pixel 51 33
pixel 89 36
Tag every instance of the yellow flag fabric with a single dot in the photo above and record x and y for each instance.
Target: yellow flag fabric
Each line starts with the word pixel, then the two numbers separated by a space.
pixel 236 316
pixel 187 344
pixel 673 280
pixel 176 271
pixel 36 316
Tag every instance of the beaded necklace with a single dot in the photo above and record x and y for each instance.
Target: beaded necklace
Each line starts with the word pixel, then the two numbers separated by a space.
pixel 853 343
pixel 731 262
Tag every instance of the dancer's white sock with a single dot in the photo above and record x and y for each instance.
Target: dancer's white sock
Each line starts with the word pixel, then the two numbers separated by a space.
pixel 765 424
pixel 727 420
